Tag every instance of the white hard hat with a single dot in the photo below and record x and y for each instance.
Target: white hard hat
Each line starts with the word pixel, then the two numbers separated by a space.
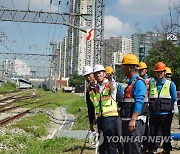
pixel 87 70
pixel 97 68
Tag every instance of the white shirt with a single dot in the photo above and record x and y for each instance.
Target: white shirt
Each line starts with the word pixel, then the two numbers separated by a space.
pixel 112 87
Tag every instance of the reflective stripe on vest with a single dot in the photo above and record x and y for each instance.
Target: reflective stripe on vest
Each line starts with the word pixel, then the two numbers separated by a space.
pixel 165 93
pixel 103 103
pixel 132 100
pixel 128 95
pixel 127 106
pixel 160 101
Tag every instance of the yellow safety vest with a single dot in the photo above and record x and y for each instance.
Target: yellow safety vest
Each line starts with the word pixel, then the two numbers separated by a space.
pixel 104 104
pixel 160 101
pixel 153 92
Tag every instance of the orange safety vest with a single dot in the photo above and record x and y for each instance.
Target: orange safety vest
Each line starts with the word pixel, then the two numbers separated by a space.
pixel 128 91
pixel 127 106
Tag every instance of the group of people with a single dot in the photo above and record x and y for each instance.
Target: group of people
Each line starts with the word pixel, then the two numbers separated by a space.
pixel 142 110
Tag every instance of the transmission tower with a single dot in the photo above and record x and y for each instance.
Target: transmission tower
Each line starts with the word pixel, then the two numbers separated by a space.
pixel 98 30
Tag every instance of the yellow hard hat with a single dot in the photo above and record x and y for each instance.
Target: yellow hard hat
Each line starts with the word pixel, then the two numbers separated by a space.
pixel 109 69
pixel 142 65
pixel 130 59
pixel 168 70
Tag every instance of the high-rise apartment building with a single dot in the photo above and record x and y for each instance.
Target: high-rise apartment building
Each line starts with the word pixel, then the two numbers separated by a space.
pixel 115 48
pixel 142 43
pixel 62 48
pixel 76 53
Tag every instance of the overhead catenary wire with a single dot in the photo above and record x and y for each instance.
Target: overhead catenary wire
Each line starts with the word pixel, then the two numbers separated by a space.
pixel 28 7
pixel 42 4
pixel 48 29
pixel 67 3
pixel 3 35
pixel 59 3
pixel 10 41
pixel 19 25
pixel 6 47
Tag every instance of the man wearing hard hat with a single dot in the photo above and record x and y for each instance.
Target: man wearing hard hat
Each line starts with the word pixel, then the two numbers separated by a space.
pixel 132 110
pixel 168 74
pixel 143 69
pixel 119 97
pixel 89 77
pixel 143 73
pixel 104 101
pixel 162 95
pixel 169 77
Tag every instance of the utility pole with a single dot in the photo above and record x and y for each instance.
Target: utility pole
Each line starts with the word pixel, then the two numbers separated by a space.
pixel 54 65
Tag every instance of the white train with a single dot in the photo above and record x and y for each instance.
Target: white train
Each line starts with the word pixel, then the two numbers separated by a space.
pixel 23 84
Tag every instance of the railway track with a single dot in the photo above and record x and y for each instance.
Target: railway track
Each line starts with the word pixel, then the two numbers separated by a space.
pixel 10 100
pixel 6 98
pixel 15 107
pixel 4 109
pixel 9 92
pixel 9 119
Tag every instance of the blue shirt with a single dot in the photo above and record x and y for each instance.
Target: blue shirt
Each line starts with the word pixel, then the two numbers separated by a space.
pixel 172 91
pixel 146 76
pixel 139 93
pixel 120 93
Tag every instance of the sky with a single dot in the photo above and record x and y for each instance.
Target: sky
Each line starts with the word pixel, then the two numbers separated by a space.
pixel 122 18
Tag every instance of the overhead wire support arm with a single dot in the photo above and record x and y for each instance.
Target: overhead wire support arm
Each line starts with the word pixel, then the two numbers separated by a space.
pixel 39 17
pixel 27 56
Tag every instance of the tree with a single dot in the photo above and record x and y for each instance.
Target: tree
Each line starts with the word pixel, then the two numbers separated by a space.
pixel 76 80
pixel 170 26
pixel 119 74
pixel 168 53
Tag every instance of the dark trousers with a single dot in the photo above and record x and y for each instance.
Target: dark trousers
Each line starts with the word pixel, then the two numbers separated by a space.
pixel 163 123
pixel 108 126
pixel 146 133
pixel 133 146
pixel 178 104
pixel 119 134
pixel 179 113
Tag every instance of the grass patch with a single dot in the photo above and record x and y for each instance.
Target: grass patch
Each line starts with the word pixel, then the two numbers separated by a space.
pixel 82 121
pixel 26 144
pixel 55 146
pixel 53 100
pixel 7 87
pixel 36 125
pixel 13 142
